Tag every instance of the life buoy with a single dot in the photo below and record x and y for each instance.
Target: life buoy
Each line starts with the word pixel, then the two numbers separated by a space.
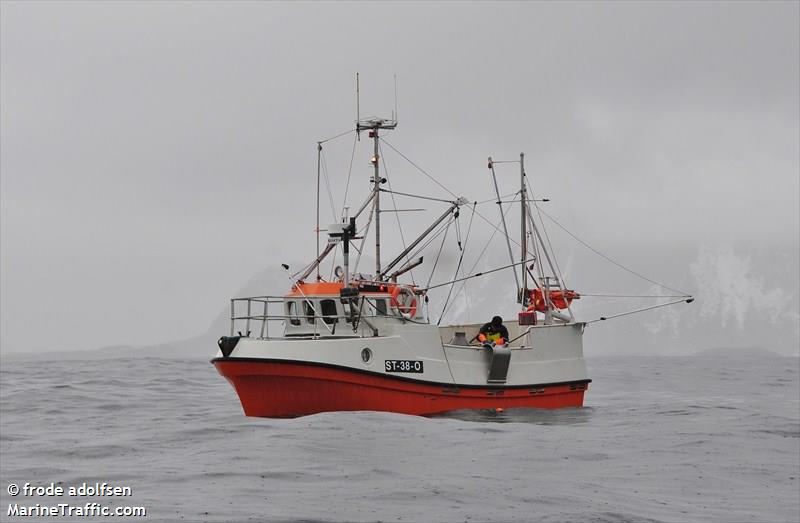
pixel 558 298
pixel 538 301
pixel 405 305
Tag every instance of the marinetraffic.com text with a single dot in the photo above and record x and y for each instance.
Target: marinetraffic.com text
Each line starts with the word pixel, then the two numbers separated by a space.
pixel 53 506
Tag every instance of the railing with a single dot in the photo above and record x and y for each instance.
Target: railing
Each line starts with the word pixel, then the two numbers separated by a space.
pixel 256 309
pixel 248 317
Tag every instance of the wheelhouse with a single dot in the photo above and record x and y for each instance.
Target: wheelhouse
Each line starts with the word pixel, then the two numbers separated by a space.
pixel 329 309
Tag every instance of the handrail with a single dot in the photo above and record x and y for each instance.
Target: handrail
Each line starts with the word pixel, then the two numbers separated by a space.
pixel 328 320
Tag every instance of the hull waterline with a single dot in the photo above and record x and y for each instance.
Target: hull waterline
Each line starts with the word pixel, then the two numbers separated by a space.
pixel 270 388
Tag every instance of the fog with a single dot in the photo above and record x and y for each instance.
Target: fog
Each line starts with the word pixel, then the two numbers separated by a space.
pixel 154 157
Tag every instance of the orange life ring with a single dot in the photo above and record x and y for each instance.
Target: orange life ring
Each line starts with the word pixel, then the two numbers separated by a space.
pixel 408 306
pixel 538 301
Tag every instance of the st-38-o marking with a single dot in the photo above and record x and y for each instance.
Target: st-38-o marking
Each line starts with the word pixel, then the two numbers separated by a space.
pixel 403 366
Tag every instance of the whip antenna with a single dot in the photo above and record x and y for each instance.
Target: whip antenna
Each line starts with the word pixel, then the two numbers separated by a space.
pixel 396 114
pixel 358 110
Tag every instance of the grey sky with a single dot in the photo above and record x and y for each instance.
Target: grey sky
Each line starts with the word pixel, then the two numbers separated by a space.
pixel 157 155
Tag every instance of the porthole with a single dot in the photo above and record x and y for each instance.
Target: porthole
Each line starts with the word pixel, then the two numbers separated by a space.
pixel 366 355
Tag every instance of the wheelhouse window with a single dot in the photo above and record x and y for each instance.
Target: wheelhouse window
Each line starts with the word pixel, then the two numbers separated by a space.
pixel 291 311
pixel 309 309
pixel 380 307
pixel 329 312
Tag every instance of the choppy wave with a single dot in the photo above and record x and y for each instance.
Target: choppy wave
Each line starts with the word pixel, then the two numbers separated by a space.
pixel 660 439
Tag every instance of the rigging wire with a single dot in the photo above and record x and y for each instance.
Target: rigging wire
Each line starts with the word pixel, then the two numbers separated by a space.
pixel 418 196
pixel 349 173
pixel 426 173
pixel 480 256
pixel 547 236
pixel 458 267
pixel 328 183
pixel 476 275
pixel 613 261
pixel 396 214
pixel 337 136
pixel 423 171
pixel 364 233
pixel 436 261
pixel 497 228
pixel 537 255
pixel 490 200
pixel 432 237
pixel 494 200
pixel 301 271
pixel 458 233
pixel 583 294
pixel 505 225
pixel 445 228
pixel 333 261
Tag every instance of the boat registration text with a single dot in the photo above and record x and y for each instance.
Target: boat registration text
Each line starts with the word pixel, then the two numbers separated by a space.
pixel 403 366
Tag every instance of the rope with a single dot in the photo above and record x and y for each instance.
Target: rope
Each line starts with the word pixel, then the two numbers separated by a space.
pixel 613 261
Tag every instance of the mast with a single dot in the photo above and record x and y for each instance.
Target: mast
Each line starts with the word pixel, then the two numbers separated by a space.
pixel 319 155
pixel 523 298
pixel 374 125
pixel 505 228
pixel 376 200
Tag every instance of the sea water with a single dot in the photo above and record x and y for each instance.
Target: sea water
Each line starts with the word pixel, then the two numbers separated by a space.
pixel 660 439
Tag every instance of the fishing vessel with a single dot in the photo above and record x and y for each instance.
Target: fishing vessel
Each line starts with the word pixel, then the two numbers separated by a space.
pixel 367 341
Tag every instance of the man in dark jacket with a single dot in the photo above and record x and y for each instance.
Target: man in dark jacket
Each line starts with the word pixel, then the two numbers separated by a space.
pixel 494 332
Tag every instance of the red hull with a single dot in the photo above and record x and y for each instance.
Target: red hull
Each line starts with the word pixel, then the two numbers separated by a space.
pixel 287 389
